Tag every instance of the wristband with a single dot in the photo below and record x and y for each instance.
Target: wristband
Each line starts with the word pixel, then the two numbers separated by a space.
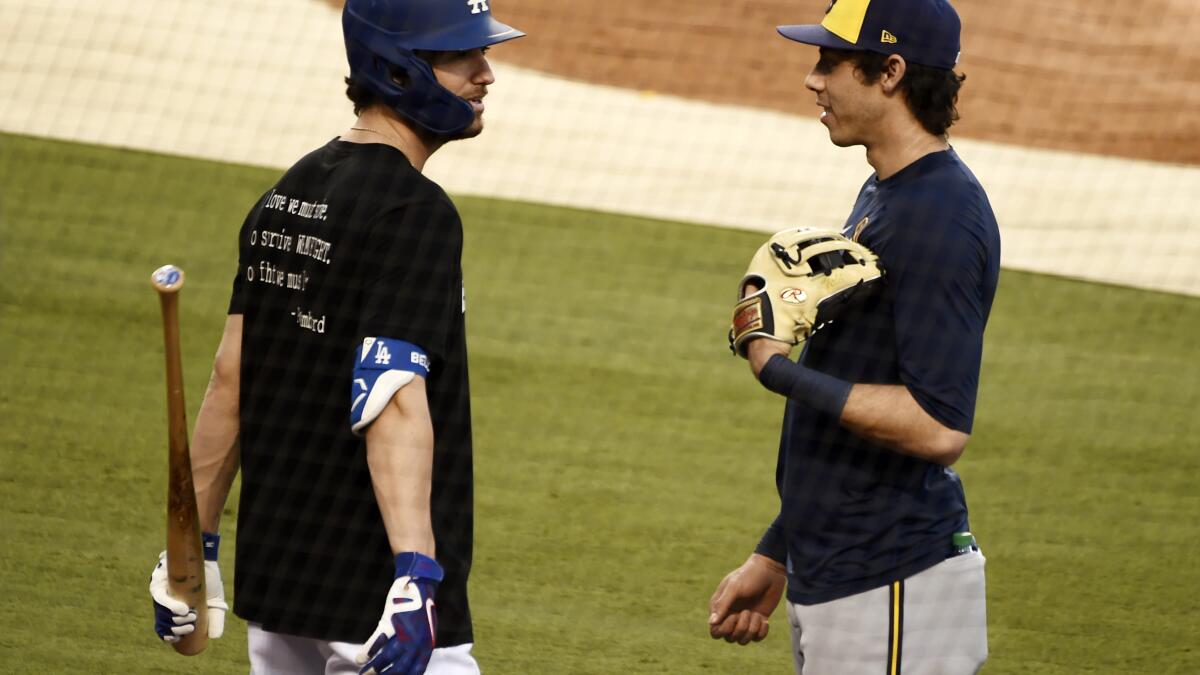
pixel 211 542
pixel 418 566
pixel 821 392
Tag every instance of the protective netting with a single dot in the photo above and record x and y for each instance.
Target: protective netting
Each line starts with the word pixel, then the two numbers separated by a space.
pixel 1079 120
pixel 624 460
pixel 1106 78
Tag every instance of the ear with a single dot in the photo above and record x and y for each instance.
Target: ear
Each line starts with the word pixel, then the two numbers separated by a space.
pixel 893 73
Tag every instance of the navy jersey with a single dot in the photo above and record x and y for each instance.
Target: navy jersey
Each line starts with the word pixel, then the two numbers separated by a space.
pixel 855 515
pixel 352 242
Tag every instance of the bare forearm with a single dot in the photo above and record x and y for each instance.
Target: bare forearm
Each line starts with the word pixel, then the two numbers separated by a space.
pixel 215 457
pixel 889 415
pixel 215 451
pixel 400 458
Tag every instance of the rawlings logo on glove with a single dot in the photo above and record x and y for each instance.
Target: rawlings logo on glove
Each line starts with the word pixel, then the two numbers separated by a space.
pixel 805 277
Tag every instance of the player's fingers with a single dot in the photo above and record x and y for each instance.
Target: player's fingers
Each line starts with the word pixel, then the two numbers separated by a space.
pixel 369 648
pixel 722 629
pixel 372 666
pixel 722 599
pixel 753 629
pixel 763 629
pixel 169 626
pixel 216 622
pixel 731 627
pixel 162 597
pixel 405 664
pixel 741 628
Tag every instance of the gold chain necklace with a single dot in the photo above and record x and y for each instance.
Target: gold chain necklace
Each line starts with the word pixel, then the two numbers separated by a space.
pixel 391 138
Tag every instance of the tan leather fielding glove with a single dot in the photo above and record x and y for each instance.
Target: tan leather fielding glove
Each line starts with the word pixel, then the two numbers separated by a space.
pixel 805 277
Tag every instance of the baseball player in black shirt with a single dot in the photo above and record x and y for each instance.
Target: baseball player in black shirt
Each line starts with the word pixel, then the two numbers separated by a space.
pixel 871 540
pixel 340 386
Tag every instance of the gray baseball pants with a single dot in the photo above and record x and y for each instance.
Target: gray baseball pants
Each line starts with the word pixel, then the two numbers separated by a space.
pixel 932 623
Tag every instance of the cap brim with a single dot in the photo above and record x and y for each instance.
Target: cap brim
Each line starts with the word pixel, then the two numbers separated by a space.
pixel 815 34
pixel 472 34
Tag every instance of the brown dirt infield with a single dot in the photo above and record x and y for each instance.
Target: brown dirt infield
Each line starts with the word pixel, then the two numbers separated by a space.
pixel 1095 76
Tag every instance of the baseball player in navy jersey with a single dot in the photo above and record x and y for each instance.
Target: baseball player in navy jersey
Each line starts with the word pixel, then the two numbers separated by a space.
pixel 340 385
pixel 872 540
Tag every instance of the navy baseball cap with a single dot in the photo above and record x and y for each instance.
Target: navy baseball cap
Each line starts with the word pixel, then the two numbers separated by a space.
pixel 922 31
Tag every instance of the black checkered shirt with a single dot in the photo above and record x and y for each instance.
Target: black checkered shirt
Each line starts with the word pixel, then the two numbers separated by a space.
pixel 352 242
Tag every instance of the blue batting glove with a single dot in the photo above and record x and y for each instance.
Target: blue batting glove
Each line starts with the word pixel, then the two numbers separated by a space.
pixel 405 637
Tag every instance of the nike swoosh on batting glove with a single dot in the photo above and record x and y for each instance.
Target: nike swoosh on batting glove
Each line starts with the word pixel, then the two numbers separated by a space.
pixel 403 641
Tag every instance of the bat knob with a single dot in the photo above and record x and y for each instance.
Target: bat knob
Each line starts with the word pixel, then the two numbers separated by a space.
pixel 167 279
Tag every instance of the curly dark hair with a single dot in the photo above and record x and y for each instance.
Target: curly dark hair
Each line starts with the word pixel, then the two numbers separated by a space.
pixel 360 95
pixel 931 93
pixel 364 97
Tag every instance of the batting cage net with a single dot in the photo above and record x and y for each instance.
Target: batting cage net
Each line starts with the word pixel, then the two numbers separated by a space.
pixel 635 156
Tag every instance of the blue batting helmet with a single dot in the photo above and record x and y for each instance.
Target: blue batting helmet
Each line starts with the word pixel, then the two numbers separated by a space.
pixel 381 36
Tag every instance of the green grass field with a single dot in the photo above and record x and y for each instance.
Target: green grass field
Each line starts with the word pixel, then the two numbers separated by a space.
pixel 625 461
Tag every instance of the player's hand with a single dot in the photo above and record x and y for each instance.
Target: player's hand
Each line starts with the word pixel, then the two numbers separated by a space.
pixel 173 619
pixel 759 351
pixel 403 641
pixel 742 604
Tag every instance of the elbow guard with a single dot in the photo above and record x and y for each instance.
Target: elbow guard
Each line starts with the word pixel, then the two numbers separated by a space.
pixel 382 367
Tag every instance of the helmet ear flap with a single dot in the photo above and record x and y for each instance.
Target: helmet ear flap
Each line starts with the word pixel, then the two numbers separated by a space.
pixel 407 84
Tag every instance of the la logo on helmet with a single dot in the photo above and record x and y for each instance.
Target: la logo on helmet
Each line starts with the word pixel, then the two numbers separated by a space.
pixel 478 6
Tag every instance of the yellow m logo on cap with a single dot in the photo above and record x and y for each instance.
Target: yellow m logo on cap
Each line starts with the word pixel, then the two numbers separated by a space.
pixel 845 18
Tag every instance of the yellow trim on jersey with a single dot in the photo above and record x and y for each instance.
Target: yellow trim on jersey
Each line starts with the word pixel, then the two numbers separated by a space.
pixel 894 666
pixel 845 18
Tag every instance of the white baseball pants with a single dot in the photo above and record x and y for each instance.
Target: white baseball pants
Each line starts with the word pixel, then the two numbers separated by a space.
pixel 282 654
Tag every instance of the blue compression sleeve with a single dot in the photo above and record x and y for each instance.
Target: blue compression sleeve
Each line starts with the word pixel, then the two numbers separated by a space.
pixel 821 392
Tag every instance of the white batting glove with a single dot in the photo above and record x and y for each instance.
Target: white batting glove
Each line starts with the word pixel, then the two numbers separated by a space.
pixel 173 619
pixel 216 598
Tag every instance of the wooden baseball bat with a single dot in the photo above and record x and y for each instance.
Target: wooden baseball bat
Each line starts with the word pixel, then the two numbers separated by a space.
pixel 185 556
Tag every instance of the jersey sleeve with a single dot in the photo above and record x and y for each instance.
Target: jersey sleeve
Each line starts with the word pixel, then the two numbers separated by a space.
pixel 774 541
pixel 414 284
pixel 940 270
